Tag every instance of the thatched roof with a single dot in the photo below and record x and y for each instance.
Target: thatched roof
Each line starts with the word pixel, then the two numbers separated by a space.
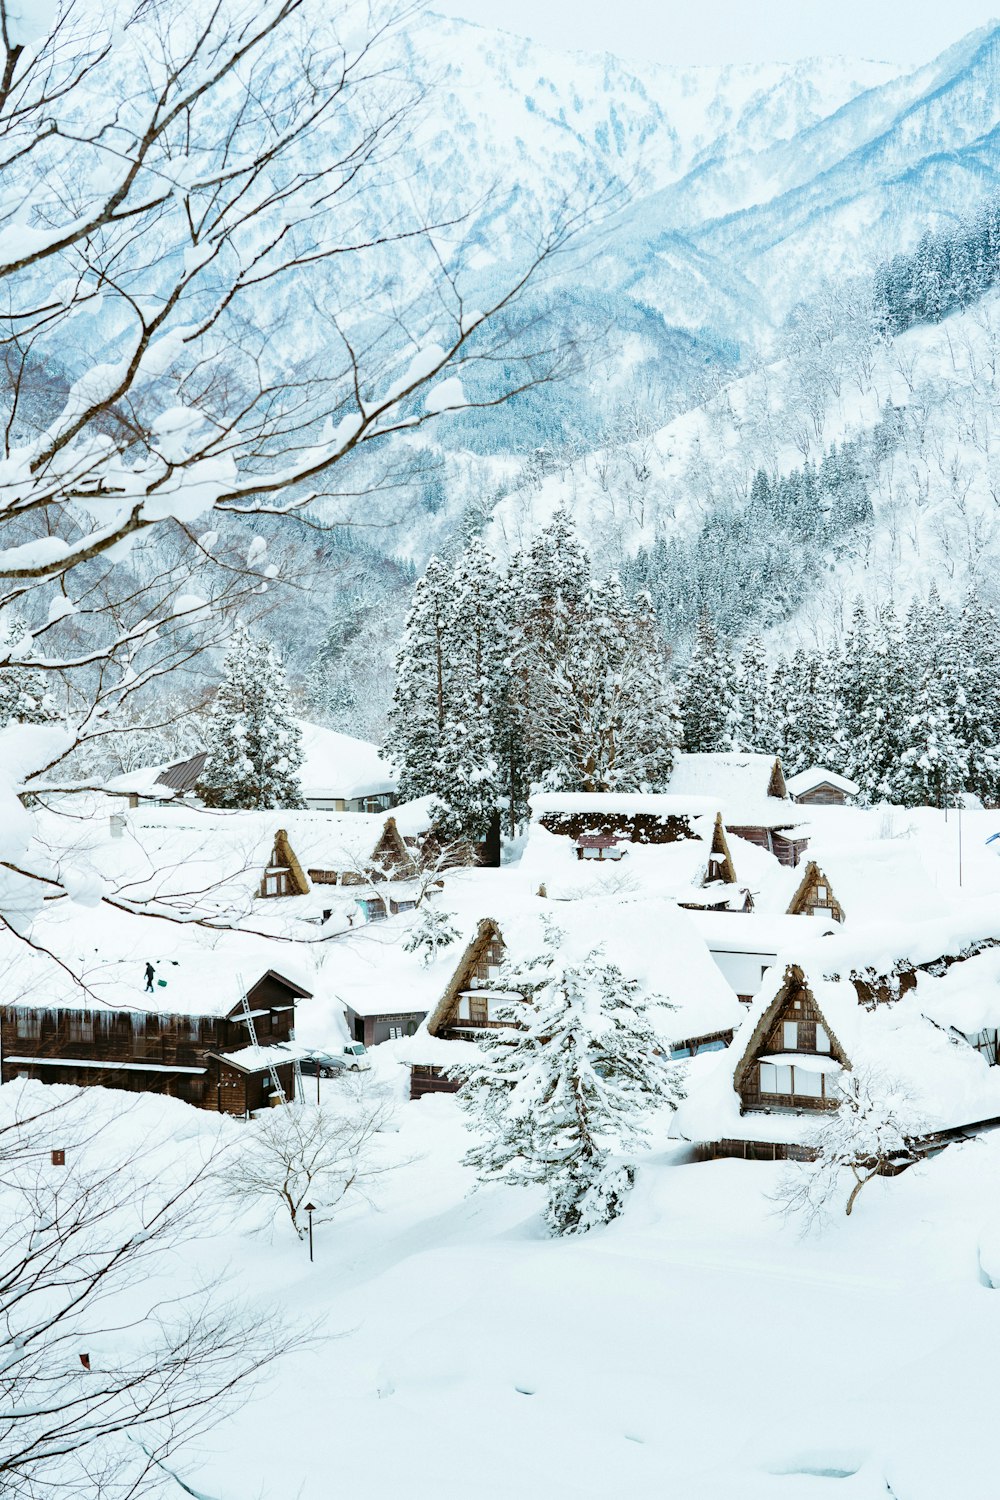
pixel 794 984
pixel 486 932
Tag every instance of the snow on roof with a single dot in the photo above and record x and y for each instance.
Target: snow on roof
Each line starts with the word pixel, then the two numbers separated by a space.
pixel 762 934
pixel 877 879
pixel 966 997
pixel 340 766
pixel 550 859
pixel 259 1059
pixel 209 862
pixel 815 776
pixel 96 960
pixel 142 782
pixel 948 1084
pixel 729 777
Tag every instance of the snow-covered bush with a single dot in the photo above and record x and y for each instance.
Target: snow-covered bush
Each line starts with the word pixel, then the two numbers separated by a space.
pixel 433 930
pixel 870 1133
pixel 563 1093
pixel 308 1153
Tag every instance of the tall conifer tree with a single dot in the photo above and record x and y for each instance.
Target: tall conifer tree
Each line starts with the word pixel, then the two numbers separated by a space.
pixel 254 744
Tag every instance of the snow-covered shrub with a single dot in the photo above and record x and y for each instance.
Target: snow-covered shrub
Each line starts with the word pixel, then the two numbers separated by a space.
pixel 433 930
pixel 872 1132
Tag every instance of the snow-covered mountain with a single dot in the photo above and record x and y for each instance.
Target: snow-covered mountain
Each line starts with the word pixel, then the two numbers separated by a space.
pixel 736 175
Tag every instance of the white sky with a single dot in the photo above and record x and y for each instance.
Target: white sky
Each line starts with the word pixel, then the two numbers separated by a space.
pixel 721 31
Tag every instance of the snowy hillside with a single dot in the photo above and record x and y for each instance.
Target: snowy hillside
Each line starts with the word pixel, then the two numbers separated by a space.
pixel 931 473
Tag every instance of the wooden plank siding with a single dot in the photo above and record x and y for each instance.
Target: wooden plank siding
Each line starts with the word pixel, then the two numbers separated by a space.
pixel 165 1048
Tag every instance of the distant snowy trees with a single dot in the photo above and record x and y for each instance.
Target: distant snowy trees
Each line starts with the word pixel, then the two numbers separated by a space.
pixel 25 695
pixel 948 270
pixel 751 558
pixel 218 310
pixel 910 711
pixel 254 745
pixel 536 673
pixel 564 1093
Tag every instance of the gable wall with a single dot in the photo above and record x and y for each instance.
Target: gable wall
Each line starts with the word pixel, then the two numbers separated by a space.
pixel 807 898
pixel 799 1006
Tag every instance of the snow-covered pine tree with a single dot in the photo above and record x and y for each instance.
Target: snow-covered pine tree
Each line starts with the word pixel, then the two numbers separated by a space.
pixel 24 693
pixel 811 714
pixel 556 572
pixel 709 706
pixel 468 790
pixel 753 688
pixel 415 739
pixel 976 696
pixel 563 1094
pixel 254 745
pixel 933 766
pixel 598 707
pixel 433 930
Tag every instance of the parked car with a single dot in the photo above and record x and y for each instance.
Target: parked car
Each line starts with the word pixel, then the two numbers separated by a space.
pixel 353 1059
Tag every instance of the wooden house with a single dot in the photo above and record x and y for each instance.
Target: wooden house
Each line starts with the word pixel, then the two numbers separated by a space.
pixel 361 851
pixel 650 941
pixel 814 896
pixel 338 774
pixel 753 797
pixel 875 881
pixel 929 1028
pixel 179 1030
pixel 599 846
pixel 818 787
pixel 464 1008
pixel 791 1053
pixel 729 777
pixel 719 890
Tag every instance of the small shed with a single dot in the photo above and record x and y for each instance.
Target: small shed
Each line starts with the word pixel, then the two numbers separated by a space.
pixel 818 787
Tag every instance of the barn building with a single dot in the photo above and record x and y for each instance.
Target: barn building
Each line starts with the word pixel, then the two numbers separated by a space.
pixel 174 1025
pixel 818 787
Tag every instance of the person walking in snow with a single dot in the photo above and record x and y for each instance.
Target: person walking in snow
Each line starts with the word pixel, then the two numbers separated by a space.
pixel 150 973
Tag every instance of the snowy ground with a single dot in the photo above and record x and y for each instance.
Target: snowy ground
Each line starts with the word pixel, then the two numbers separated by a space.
pixel 697 1348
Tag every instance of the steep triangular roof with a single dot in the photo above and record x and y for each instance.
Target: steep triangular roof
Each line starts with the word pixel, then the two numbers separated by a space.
pixel 794 983
pixel 444 1011
pixel 284 855
pixel 720 859
pixel 812 876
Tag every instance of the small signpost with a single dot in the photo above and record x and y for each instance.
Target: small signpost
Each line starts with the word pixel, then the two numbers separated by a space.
pixel 310 1210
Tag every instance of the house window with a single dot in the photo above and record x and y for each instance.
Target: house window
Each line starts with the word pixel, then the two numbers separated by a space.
pixel 29 1025
pixel 821 894
pixel 81 1028
pixel 276 884
pixel 478 1011
pixel 775 1079
pixel 806 1084
pixel 395 1032
pixel 790 1035
pixel 822 1038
